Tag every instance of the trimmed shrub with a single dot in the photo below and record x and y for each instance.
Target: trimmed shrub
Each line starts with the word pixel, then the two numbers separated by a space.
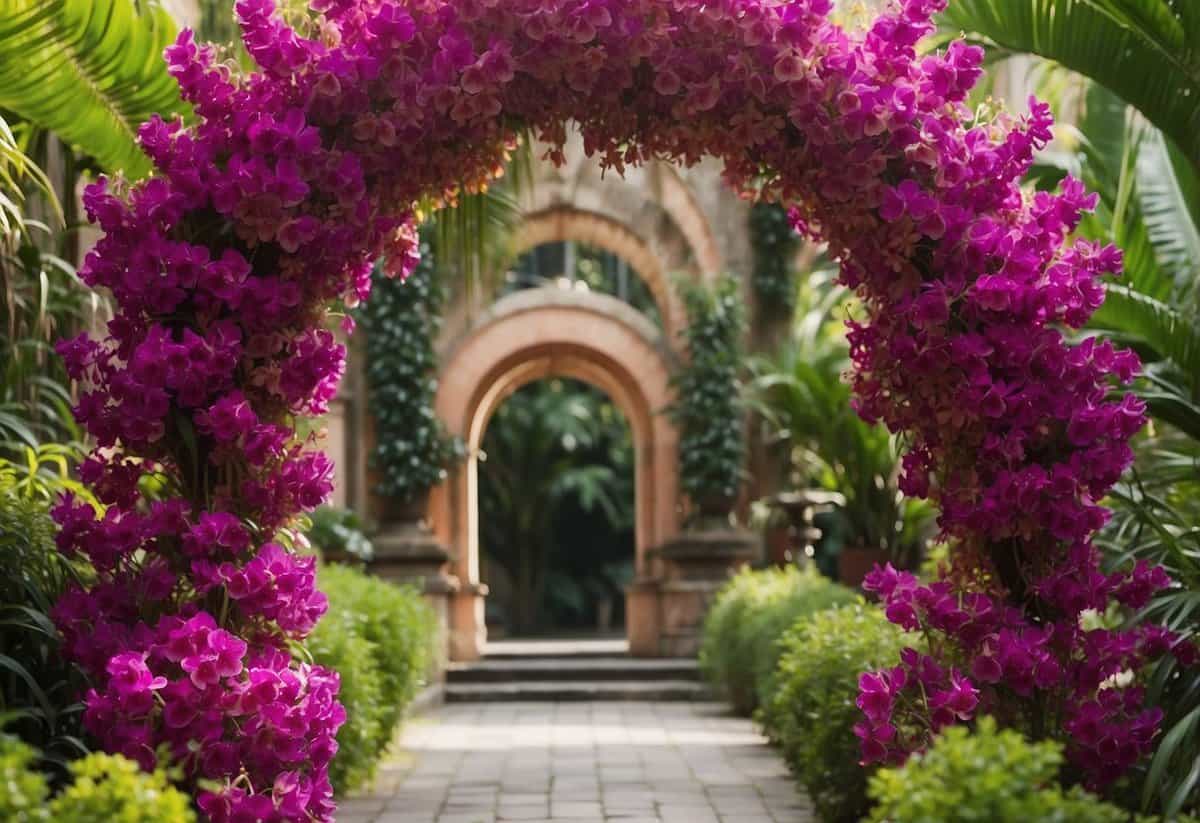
pixel 985 775
pixel 740 642
pixel 104 787
pixel 23 791
pixel 811 712
pixel 114 789
pixel 338 643
pixel 399 625
pixel 379 638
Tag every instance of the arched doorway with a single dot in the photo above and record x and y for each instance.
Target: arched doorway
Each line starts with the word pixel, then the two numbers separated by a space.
pixel 528 336
pixel 556 513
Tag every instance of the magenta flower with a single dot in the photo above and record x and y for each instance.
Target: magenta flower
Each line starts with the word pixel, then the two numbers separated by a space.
pixel 220 656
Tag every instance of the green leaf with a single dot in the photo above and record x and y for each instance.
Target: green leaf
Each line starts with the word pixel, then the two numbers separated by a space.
pixel 1168 331
pixel 1147 51
pixel 90 70
pixel 14 667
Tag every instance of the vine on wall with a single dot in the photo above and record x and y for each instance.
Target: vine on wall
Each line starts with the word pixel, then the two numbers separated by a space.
pixel 412 449
pixel 708 408
pixel 774 243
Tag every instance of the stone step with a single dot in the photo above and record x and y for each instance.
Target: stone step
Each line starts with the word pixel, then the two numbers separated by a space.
pixel 576 691
pixel 491 670
pixel 557 648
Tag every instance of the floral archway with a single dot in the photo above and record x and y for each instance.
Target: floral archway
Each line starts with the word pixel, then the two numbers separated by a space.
pixel 295 177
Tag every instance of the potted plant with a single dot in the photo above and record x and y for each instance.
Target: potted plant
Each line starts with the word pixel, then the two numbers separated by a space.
pixel 801 392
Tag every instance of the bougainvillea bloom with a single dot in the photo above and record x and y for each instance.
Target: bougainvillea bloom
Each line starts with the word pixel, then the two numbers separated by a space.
pixel 294 178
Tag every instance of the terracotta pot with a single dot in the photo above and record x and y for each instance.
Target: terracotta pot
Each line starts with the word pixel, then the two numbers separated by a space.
pixel 856 562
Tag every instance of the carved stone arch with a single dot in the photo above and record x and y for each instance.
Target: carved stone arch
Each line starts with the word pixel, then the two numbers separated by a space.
pixel 655 198
pixel 561 223
pixel 554 333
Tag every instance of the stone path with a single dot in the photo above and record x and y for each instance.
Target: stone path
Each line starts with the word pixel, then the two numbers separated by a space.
pixel 632 762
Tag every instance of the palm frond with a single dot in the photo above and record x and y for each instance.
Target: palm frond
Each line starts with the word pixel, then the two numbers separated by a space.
pixel 473 232
pixel 1146 51
pixel 90 70
pixel 1140 318
pixel 1169 194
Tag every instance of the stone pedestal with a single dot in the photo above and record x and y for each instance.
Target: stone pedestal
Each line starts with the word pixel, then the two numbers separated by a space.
pixel 407 553
pixel 468 631
pixel 641 617
pixel 665 615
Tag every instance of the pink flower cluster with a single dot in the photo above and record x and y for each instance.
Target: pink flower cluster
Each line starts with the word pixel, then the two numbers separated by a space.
pixel 294 178
pixel 1025 670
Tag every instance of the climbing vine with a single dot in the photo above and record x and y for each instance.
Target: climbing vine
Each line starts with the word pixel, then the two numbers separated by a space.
pixel 708 408
pixel 412 449
pixel 296 177
pixel 774 242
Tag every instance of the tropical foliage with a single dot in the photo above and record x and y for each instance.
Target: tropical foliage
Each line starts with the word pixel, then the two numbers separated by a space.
pixel 1146 51
pixel 91 71
pixel 40 691
pixel 802 395
pixel 40 298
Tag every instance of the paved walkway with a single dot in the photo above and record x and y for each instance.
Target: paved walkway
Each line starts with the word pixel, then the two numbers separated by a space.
pixel 633 762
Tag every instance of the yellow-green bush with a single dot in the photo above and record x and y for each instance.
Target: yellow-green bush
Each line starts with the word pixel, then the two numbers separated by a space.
pixel 338 643
pixel 985 775
pixel 811 712
pixel 740 642
pixel 104 788
pixel 379 638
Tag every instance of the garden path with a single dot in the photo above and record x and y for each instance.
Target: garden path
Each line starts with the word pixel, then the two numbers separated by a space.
pixel 629 762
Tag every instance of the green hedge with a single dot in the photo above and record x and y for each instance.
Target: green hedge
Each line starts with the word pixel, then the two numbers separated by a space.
pixel 740 642
pixel 103 789
pixel 991 775
pixel 379 638
pixel 812 712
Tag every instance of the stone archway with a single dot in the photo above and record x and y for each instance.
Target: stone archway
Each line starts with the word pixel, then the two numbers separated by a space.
pixel 652 217
pixel 550 332
pixel 561 223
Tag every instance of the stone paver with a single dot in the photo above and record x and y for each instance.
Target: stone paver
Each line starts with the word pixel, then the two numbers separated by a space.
pixel 633 762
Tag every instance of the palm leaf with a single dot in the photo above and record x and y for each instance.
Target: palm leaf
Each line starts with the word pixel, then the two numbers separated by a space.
pixel 90 70
pixel 1169 193
pixel 1138 317
pixel 1147 51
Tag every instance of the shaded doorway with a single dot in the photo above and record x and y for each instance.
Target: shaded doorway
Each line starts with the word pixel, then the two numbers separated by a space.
pixel 556 511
